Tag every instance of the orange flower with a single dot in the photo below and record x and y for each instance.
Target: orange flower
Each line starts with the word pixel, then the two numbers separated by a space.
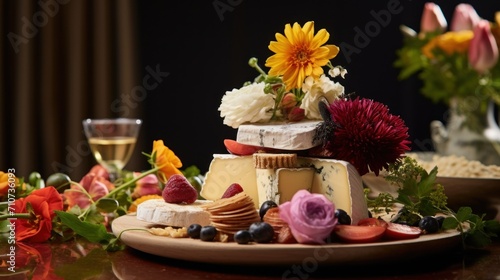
pixel 4 184
pixel 450 42
pixel 38 228
pixel 166 160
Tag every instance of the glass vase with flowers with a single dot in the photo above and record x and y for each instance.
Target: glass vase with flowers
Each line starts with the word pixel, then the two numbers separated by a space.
pixel 458 65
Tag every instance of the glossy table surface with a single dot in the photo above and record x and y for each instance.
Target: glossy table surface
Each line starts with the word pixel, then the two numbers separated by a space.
pixel 81 260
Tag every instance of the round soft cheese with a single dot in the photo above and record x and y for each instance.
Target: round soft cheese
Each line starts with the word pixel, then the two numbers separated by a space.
pixel 176 215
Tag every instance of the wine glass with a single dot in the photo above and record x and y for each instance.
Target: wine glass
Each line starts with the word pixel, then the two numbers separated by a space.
pixel 112 141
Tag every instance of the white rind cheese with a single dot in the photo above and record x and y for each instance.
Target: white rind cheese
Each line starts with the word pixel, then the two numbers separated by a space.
pixel 289 136
pixel 337 180
pixel 176 215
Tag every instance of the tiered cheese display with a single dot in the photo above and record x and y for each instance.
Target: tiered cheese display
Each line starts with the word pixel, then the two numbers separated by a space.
pixel 337 180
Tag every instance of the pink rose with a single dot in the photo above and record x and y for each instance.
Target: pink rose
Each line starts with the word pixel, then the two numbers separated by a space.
pixel 483 49
pixel 432 19
pixel 311 217
pixel 146 186
pixel 464 18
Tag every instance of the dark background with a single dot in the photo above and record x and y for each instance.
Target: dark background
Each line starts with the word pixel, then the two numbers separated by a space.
pixel 205 45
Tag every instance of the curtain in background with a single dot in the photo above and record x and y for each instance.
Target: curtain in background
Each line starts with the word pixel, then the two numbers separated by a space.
pixel 62 61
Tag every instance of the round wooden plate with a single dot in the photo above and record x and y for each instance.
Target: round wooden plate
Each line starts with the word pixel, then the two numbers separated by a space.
pixel 279 254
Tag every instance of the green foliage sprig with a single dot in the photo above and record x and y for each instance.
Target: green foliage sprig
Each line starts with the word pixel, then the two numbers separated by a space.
pixel 419 194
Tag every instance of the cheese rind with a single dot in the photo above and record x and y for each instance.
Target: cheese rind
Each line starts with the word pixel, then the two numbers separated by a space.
pixel 288 136
pixel 176 215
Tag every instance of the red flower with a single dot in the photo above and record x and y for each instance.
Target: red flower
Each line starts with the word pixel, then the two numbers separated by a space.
pixel 365 134
pixel 43 203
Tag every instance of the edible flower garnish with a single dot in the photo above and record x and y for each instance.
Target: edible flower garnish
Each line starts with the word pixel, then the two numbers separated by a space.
pixel 295 83
pixel 362 132
pixel 299 54
pixel 311 217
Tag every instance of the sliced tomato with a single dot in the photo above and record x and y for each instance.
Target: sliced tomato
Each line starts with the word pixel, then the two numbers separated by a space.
pixel 399 231
pixel 239 149
pixel 359 234
pixel 372 222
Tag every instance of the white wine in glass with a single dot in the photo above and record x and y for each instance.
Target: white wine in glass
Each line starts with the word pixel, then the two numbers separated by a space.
pixel 112 141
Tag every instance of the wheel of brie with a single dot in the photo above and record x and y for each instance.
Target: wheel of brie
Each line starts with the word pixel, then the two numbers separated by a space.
pixel 176 215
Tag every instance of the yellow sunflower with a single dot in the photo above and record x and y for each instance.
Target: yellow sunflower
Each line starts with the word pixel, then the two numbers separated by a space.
pixel 299 54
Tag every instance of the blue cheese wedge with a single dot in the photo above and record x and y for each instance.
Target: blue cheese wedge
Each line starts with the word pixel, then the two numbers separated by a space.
pixel 337 180
pixel 288 136
pixel 176 215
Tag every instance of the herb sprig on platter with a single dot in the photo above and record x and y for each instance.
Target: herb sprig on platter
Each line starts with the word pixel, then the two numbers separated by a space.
pixel 420 196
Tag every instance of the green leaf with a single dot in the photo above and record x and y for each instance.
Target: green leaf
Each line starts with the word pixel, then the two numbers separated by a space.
pixel 464 214
pixel 191 171
pixel 96 233
pixel 426 184
pixel 493 227
pixel 107 205
pixel 449 223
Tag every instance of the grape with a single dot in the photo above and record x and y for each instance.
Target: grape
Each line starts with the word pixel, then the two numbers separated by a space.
pixel 194 230
pixel 261 232
pixel 266 205
pixel 208 233
pixel 342 217
pixel 242 236
pixel 429 224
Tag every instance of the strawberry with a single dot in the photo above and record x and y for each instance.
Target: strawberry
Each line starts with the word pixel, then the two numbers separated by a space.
pixel 232 190
pixel 179 190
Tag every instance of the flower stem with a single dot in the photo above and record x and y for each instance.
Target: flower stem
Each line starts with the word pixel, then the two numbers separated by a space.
pixel 253 63
pixel 18 215
pixel 131 182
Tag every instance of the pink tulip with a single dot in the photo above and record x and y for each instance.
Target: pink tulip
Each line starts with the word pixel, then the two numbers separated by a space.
pixel 483 49
pixel 465 17
pixel 432 19
pixel 146 186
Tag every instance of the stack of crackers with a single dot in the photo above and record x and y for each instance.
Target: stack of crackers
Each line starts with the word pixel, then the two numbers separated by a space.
pixel 229 215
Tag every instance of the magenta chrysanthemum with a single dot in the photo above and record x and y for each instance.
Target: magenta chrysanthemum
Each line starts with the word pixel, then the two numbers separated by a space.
pixel 366 135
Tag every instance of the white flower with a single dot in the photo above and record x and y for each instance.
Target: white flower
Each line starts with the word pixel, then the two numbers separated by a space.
pixel 315 90
pixel 247 104
pixel 337 70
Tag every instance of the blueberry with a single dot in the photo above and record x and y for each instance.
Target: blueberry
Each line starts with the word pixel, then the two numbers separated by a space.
pixel 261 232
pixel 242 236
pixel 440 220
pixel 208 233
pixel 193 231
pixel 266 205
pixel 429 224
pixel 342 217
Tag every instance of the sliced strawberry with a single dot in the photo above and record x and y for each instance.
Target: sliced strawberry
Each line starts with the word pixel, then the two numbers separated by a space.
pixel 399 231
pixel 232 190
pixel 239 149
pixel 359 234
